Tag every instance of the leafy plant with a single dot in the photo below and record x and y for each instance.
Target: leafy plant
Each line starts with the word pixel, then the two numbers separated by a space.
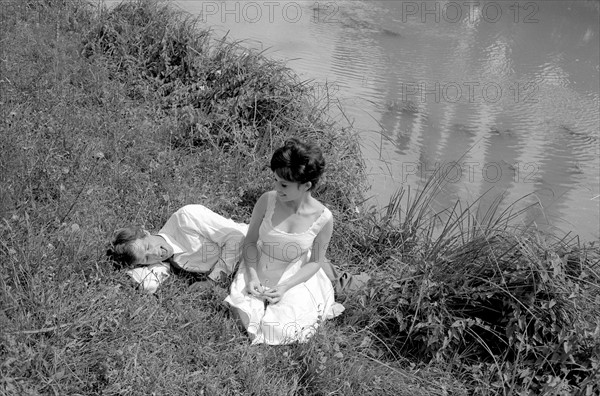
pixel 503 305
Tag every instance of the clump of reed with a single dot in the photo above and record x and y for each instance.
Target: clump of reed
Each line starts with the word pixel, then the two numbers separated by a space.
pixel 216 85
pixel 507 308
pixel 224 99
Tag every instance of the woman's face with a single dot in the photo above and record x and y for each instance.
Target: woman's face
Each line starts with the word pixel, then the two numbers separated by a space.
pixel 287 190
pixel 151 249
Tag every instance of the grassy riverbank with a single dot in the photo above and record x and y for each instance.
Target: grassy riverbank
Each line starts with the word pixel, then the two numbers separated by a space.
pixel 110 118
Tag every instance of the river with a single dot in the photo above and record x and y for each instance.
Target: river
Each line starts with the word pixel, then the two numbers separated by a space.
pixel 501 95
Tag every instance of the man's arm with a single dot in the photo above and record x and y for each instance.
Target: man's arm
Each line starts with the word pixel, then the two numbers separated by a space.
pixel 212 238
pixel 229 236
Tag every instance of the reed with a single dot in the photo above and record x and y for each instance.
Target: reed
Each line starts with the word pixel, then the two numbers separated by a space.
pixel 507 307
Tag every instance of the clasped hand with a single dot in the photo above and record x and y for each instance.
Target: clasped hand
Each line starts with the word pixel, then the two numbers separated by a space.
pixel 272 296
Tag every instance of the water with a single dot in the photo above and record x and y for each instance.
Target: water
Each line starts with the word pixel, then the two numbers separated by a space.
pixel 504 96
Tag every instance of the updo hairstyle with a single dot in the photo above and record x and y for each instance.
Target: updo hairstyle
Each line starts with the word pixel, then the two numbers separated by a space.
pixel 298 162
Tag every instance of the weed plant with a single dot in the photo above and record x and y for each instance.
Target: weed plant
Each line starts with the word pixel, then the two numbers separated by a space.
pixel 120 116
pixel 511 311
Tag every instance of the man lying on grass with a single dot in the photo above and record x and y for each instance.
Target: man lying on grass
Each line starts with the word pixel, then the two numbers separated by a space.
pixel 197 240
pixel 194 239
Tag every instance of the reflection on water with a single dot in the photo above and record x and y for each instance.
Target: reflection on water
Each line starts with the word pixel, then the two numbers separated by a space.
pixel 504 95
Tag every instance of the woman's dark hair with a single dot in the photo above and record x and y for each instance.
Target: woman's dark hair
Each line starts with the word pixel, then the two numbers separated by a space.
pixel 298 162
pixel 121 250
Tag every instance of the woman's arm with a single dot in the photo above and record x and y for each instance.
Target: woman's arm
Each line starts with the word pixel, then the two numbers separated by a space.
pixel 250 253
pixel 309 269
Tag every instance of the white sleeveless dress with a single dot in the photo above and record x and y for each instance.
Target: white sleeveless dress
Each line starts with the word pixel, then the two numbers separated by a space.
pixel 297 315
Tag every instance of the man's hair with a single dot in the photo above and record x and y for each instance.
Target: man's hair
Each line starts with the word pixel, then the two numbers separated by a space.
pixel 121 249
pixel 298 162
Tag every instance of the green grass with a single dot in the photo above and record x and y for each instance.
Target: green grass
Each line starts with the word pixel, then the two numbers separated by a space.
pixel 110 118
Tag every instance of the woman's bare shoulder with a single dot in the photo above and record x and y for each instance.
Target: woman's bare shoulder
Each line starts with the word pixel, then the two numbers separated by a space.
pixel 319 207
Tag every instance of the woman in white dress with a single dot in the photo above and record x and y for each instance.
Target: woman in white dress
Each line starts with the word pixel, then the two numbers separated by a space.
pixel 280 293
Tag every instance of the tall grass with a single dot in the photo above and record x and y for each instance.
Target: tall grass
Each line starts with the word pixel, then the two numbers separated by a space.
pixel 121 116
pixel 510 310
pixel 223 98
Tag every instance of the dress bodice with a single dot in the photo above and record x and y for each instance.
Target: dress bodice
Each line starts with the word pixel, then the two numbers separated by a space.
pixel 278 245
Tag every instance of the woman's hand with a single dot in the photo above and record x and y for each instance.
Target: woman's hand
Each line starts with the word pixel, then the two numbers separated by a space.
pixel 273 296
pixel 254 288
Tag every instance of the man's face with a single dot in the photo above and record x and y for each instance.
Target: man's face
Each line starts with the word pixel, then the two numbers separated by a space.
pixel 151 249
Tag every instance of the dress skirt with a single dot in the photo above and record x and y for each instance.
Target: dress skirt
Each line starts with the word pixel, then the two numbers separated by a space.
pixel 295 317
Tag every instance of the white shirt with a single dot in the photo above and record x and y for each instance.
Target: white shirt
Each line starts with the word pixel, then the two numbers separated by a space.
pixel 204 241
